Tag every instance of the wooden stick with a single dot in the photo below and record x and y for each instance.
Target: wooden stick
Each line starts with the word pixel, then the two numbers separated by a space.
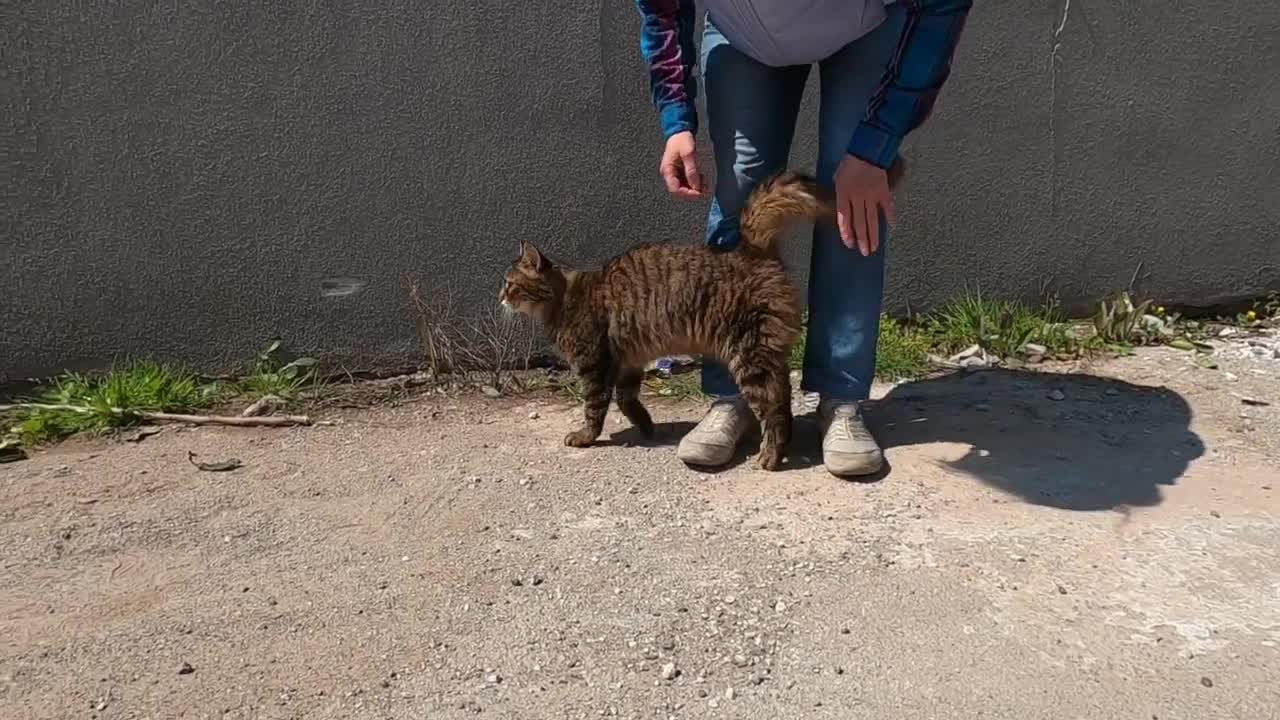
pixel 264 421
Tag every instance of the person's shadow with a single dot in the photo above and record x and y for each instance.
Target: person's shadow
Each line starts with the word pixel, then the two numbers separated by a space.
pixel 1076 442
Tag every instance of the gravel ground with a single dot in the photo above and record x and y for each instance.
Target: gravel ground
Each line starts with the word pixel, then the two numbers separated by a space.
pixel 1103 543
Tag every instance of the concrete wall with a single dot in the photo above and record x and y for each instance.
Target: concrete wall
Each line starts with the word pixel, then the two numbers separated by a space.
pixel 189 179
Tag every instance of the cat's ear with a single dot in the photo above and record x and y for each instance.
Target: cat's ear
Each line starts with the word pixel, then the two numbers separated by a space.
pixel 532 257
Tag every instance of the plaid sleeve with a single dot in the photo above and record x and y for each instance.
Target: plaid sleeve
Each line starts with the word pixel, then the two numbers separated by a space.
pixel 920 66
pixel 666 42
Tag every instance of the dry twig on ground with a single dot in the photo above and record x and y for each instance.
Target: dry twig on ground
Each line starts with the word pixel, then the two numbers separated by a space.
pixel 263 421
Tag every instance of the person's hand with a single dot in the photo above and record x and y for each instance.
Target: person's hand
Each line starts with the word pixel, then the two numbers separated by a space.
pixel 679 167
pixel 862 190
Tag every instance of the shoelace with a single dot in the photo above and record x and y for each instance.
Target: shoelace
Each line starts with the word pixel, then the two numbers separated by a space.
pixel 719 416
pixel 847 425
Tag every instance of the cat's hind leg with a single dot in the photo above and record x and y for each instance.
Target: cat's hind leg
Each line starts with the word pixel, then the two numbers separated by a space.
pixel 764 380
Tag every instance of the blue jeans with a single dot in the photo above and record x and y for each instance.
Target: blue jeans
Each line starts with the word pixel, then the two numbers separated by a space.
pixel 751 117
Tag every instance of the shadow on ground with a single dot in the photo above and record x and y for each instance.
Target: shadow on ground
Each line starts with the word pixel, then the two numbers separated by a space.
pixel 1075 442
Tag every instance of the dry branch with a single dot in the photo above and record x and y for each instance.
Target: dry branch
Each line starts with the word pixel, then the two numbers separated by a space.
pixel 265 421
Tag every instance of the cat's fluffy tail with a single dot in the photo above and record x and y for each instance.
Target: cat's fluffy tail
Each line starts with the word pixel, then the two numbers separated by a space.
pixel 787 196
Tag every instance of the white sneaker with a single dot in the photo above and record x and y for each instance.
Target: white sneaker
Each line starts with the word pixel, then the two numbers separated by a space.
pixel 848 449
pixel 712 442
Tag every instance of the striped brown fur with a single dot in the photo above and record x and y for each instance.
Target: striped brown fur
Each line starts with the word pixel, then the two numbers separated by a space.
pixel 739 307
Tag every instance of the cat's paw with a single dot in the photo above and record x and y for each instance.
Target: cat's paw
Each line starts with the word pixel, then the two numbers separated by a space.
pixel 769 459
pixel 579 438
pixel 647 430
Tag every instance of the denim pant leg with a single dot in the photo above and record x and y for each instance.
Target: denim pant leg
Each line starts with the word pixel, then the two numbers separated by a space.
pixel 846 289
pixel 751 118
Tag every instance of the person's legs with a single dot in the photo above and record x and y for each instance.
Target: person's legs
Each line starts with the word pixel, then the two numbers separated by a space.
pixel 846 288
pixel 751 119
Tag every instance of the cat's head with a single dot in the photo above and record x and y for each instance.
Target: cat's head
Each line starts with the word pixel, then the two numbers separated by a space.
pixel 533 285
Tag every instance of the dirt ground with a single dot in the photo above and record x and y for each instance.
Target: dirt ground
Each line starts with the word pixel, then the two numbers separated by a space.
pixel 1101 544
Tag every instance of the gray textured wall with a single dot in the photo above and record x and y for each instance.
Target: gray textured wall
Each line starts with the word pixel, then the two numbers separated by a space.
pixel 187 179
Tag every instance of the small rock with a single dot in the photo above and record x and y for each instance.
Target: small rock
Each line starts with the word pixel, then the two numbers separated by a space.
pixel 839 671
pixel 185 669
pixel 491 391
pixel 713 703
pixel 1062 590
pixel 493 678
pixel 265 405
pixel 1057 395
pixel 1205 681
pixel 1155 325
pixel 534 415
pixel 670 671
pixel 969 352
pixel 975 363
pixel 730 599
pixel 1214 513
pixel 147 431
pixel 780 607
pixel 730 694
pixel 741 660
pixel 10 452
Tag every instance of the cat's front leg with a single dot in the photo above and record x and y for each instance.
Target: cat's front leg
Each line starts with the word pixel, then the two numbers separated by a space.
pixel 596 377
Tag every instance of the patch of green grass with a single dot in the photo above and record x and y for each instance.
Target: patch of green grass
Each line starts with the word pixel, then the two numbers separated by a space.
pixel 1001 327
pixel 270 376
pixel 796 361
pixel 117 398
pixel 1120 322
pixel 566 384
pixel 111 400
pixel 678 385
pixel 902 351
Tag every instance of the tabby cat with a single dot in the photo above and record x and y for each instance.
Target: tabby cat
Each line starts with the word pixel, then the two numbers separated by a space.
pixel 739 307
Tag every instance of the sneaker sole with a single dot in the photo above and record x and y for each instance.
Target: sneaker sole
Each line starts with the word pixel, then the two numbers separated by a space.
pixel 859 465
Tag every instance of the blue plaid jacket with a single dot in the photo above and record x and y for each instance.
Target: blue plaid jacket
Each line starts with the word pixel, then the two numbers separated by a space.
pixel 905 97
